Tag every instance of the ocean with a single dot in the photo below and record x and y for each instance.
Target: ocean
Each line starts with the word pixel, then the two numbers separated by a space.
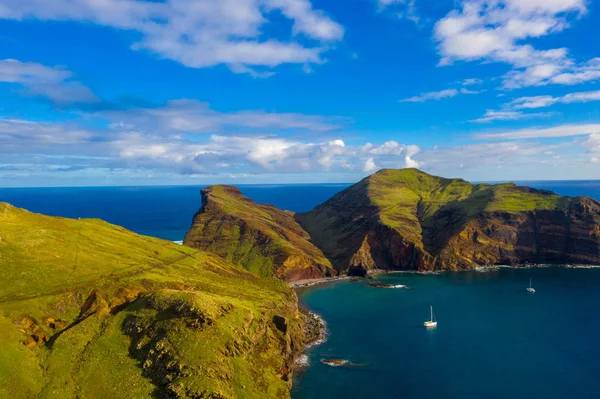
pixel 493 340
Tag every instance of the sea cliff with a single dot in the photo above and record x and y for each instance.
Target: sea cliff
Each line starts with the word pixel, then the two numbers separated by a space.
pixel 260 238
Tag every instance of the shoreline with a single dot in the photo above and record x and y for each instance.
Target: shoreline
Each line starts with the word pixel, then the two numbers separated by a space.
pixel 315 281
pixel 378 272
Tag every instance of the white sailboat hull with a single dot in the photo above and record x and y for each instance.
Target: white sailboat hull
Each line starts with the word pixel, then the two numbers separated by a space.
pixel 430 324
pixel 531 290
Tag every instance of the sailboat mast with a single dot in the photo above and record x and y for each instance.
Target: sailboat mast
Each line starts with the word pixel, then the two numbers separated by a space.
pixel 431 308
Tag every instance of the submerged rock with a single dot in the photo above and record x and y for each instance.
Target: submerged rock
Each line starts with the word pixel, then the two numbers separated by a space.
pixel 339 363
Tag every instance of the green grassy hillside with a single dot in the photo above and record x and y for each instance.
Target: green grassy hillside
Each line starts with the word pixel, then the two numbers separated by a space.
pixel 91 310
pixel 261 238
pixel 409 219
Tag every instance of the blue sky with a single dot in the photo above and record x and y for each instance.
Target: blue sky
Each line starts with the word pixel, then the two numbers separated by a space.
pixel 121 92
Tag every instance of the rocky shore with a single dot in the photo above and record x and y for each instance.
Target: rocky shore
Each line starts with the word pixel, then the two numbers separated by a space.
pixel 315 281
pixel 315 329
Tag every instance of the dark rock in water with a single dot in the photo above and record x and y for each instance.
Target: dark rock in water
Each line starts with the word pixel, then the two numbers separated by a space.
pixel 339 363
pixel 377 284
pixel 314 328
pixel 335 362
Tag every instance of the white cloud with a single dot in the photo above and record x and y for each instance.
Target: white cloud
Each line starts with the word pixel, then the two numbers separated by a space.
pixel 491 116
pixel 443 94
pixel 434 95
pixel 256 154
pixel 532 102
pixel 592 144
pixel 370 165
pixel 472 82
pixel 163 139
pixel 193 116
pixel 556 131
pixel 200 33
pixel 507 160
pixel 546 101
pixel 495 30
pixel 28 134
pixel 40 80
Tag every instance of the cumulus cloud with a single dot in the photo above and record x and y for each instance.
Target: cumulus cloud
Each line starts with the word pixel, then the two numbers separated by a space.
pixel 495 30
pixel 167 139
pixel 200 33
pixel 492 116
pixel 39 80
pixel 259 154
pixel 370 165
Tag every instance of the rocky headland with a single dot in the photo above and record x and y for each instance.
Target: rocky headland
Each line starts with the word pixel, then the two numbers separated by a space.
pixel 400 220
pixel 409 220
pixel 260 238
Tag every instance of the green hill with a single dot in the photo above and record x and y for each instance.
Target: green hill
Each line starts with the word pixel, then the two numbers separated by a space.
pixel 408 219
pixel 91 310
pixel 261 238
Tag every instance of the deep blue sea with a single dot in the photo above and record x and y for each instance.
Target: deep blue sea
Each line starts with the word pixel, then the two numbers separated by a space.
pixel 164 212
pixel 494 340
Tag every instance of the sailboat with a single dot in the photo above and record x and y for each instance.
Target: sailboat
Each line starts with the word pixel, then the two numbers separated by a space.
pixel 432 323
pixel 530 288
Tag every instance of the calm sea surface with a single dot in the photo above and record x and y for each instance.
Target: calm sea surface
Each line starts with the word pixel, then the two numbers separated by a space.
pixel 494 340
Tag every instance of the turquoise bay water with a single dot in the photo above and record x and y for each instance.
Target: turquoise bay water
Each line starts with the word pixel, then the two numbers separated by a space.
pixel 493 339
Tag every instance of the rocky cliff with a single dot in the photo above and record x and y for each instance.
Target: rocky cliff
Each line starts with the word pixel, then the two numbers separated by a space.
pixel 91 310
pixel 261 238
pixel 409 220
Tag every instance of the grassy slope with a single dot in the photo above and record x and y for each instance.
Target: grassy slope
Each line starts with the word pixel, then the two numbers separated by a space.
pixel 91 310
pixel 418 191
pixel 426 210
pixel 263 239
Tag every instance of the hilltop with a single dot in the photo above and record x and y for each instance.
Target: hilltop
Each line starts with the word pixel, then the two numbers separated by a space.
pixel 261 238
pixel 90 309
pixel 409 220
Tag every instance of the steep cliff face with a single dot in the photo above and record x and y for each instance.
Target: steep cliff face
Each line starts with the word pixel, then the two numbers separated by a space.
pixel 409 220
pixel 261 238
pixel 91 310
